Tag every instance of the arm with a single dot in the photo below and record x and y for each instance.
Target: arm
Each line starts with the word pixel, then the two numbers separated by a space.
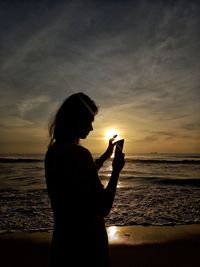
pixel 110 191
pixel 107 154
pixel 91 193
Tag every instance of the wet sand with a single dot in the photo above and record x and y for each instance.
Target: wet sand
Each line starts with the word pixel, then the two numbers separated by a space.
pixel 130 246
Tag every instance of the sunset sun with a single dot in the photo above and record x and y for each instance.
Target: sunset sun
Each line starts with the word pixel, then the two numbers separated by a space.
pixel 109 133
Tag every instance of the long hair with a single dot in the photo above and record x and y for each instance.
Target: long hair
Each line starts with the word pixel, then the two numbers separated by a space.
pixel 66 122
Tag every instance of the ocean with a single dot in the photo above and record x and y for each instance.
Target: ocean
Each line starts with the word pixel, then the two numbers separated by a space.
pixel 153 189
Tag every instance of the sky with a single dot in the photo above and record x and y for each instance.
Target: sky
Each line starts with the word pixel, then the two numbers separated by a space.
pixel 138 60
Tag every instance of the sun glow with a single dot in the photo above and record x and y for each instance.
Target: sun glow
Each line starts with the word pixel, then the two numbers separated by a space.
pixel 110 133
pixel 113 234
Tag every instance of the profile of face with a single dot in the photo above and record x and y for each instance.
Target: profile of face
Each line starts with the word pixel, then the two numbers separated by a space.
pixel 85 128
pixel 74 118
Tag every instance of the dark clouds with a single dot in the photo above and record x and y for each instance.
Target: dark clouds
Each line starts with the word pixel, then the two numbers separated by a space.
pixel 139 58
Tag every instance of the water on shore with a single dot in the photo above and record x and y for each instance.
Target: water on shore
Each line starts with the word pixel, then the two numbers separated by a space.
pixel 153 189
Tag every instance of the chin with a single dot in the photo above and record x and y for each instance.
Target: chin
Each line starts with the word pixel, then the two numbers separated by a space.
pixel 83 136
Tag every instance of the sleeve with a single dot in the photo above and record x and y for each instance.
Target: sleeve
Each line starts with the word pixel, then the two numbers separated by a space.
pixel 91 189
pixel 74 184
pixel 91 192
pixel 87 176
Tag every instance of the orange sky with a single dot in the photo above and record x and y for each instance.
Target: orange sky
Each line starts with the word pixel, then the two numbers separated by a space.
pixel 138 60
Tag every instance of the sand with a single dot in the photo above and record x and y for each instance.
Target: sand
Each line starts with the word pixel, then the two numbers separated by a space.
pixel 130 246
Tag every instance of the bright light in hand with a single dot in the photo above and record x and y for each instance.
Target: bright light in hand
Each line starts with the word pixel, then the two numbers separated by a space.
pixel 110 133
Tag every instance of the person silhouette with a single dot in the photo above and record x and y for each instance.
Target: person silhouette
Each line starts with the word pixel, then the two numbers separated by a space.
pixel 79 201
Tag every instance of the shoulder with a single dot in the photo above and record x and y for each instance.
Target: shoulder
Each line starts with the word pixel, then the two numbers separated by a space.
pixel 72 151
pixel 82 152
pixel 80 149
pixel 49 153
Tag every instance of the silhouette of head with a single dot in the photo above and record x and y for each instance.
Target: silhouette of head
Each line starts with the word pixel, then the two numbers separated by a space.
pixel 73 119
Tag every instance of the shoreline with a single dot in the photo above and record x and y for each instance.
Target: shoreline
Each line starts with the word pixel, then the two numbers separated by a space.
pixel 130 246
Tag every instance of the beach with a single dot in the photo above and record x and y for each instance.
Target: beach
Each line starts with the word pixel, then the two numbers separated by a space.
pixel 130 246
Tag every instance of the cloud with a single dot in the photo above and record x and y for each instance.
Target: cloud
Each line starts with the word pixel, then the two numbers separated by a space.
pixel 192 126
pixel 139 60
pixel 147 139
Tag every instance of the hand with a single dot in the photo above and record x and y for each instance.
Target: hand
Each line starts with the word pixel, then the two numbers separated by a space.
pixel 110 148
pixel 118 162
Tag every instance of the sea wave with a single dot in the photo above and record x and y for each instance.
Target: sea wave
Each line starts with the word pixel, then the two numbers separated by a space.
pixel 19 160
pixel 150 204
pixel 183 182
pixel 170 161
pixel 130 160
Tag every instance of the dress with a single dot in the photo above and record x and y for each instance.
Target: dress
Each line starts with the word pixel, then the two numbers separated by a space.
pixel 78 201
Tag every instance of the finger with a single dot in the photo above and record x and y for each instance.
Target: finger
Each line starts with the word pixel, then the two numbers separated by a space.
pixel 111 141
pixel 114 136
pixel 114 143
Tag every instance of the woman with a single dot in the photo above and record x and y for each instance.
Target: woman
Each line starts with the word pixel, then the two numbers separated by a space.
pixel 78 199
